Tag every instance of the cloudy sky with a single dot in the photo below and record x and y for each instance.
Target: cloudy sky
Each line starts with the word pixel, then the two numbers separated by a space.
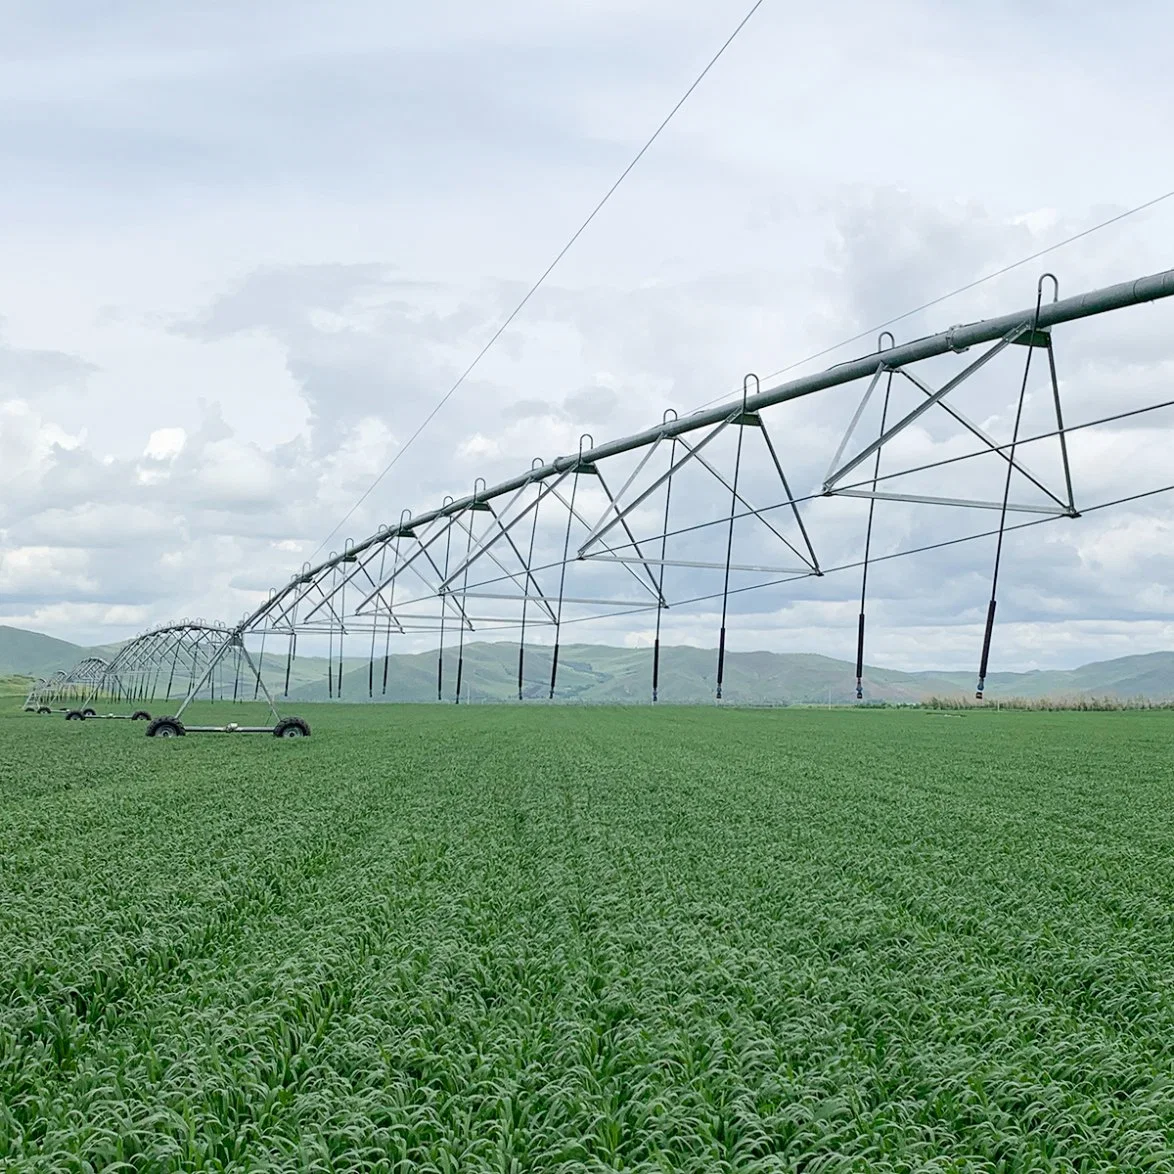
pixel 246 247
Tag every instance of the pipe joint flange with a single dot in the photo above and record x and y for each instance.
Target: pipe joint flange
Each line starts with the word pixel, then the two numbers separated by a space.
pixel 951 339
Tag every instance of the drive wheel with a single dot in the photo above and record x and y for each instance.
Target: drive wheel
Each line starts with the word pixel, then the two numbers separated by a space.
pixel 166 727
pixel 75 715
pixel 291 727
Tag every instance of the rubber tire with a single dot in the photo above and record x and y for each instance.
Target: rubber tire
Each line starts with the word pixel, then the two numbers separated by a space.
pixel 88 712
pixel 166 727
pixel 75 715
pixel 44 709
pixel 140 715
pixel 291 727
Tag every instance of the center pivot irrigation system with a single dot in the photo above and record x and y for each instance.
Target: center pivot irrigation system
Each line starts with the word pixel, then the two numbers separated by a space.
pixel 696 512
pixel 186 660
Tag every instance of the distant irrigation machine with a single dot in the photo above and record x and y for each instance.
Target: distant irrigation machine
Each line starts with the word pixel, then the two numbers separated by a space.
pixel 187 661
pixel 696 512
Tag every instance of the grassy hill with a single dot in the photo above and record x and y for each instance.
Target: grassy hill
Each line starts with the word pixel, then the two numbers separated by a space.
pixel 33 654
pixel 599 674
pixel 595 674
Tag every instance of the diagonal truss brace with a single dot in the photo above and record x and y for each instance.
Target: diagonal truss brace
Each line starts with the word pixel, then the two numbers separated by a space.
pixel 1022 335
pixel 693 453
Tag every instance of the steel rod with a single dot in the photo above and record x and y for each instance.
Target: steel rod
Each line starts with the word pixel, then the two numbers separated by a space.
pixel 868 546
pixel 956 339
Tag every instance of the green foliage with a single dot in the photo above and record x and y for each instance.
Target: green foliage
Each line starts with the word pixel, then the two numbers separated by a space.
pixel 594 674
pixel 492 939
pixel 600 675
pixel 34 653
pixel 1078 703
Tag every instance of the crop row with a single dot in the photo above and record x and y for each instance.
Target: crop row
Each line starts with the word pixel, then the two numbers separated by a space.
pixel 685 940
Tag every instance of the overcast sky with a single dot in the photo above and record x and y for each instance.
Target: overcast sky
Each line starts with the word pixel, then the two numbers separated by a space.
pixel 246 247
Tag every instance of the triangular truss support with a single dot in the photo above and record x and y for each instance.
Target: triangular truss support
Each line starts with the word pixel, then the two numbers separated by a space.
pixel 617 515
pixel 1062 506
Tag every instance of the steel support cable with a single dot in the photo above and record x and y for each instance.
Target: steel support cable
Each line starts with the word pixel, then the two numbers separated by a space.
pixel 867 481
pixel 208 672
pixel 174 663
pixel 509 577
pixel 812 559
pixel 884 558
pixel 668 494
pixel 721 643
pixel 292 651
pixel 1100 421
pixel 961 289
pixel 374 632
pixel 443 612
pixel 330 640
pixel 194 649
pixel 386 653
pixel 928 548
pixel 990 615
pixel 464 607
pixel 1130 293
pixel 526 594
pixel 546 272
pixel 160 653
pixel 260 663
pixel 1063 431
pixel 341 630
pixel 1060 420
pixel 562 578
pixel 157 666
pixel 391 599
pixel 868 547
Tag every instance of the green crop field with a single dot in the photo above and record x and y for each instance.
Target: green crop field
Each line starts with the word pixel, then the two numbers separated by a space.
pixel 493 939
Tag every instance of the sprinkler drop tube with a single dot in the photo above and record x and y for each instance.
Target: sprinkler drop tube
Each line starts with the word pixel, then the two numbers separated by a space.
pixel 986 651
pixel 860 660
pixel 553 670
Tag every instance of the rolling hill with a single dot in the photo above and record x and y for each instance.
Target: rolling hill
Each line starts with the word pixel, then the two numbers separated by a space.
pixel 599 674
pixel 596 674
pixel 32 654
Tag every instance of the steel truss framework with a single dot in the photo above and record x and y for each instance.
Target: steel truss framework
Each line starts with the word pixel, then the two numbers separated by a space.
pixel 696 510
pixel 180 661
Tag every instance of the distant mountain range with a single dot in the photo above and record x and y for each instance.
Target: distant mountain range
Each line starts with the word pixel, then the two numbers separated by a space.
pixel 599 674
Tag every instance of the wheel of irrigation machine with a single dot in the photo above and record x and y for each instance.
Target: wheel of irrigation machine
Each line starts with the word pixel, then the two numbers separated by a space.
pixel 291 727
pixel 44 709
pixel 166 727
pixel 75 715
pixel 88 712
pixel 140 715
